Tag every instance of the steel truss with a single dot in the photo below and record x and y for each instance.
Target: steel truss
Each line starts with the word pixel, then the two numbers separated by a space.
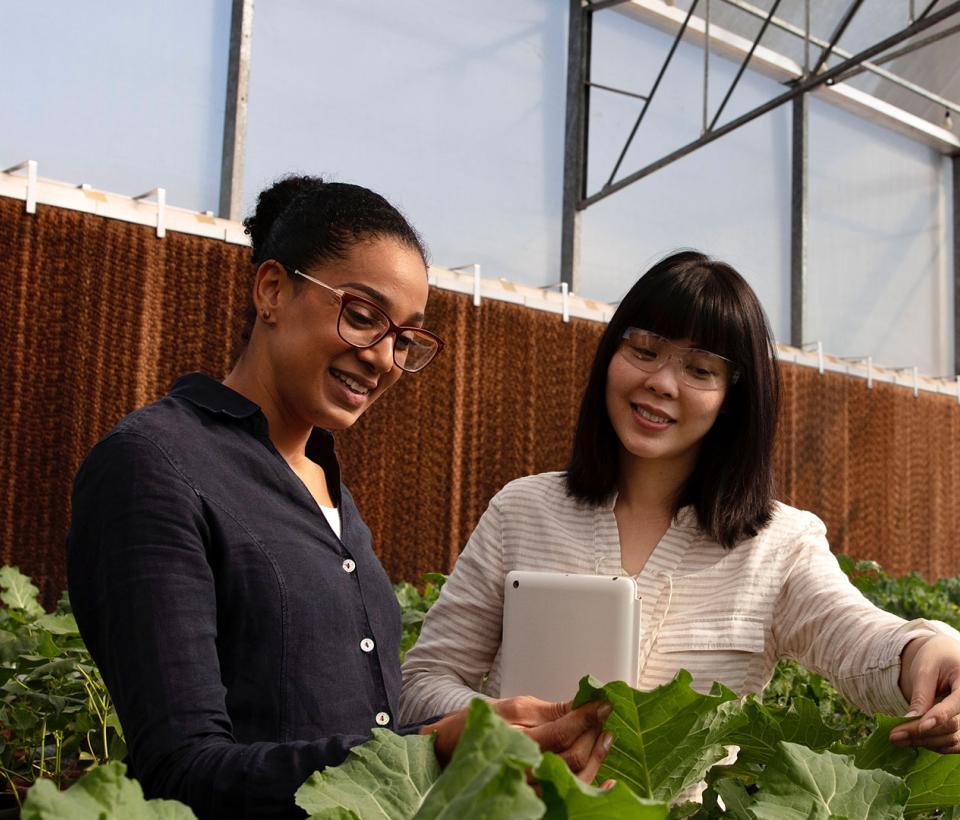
pixel 576 197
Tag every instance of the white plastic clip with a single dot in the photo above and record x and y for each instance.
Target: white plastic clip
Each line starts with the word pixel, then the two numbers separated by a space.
pixel 916 381
pixel 31 166
pixel 475 267
pixel 869 372
pixel 161 197
pixel 819 349
pixel 565 299
pixel 476 285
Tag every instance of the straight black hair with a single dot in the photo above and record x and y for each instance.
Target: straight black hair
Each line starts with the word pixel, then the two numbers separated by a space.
pixel 689 295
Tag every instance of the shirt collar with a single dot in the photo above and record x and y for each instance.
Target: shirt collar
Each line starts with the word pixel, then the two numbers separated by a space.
pixel 216 397
pixel 208 393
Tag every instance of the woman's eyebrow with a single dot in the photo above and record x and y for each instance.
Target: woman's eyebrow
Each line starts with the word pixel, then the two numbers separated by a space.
pixel 377 296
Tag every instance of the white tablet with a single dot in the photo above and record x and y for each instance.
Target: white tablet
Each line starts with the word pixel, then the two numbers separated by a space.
pixel 558 627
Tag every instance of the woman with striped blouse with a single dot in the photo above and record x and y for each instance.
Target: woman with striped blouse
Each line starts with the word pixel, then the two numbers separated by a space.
pixel 671 480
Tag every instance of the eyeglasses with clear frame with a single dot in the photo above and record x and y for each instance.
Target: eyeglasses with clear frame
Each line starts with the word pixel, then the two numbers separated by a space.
pixel 699 369
pixel 363 324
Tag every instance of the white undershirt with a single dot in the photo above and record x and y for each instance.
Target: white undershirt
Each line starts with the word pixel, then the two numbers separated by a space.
pixel 332 514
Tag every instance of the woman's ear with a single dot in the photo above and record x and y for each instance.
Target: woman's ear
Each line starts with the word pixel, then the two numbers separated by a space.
pixel 268 289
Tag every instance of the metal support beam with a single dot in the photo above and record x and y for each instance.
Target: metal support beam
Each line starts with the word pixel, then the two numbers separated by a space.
pixel 798 220
pixel 235 112
pixel 743 65
pixel 955 162
pixel 808 84
pixel 837 34
pixel 873 66
pixel 575 140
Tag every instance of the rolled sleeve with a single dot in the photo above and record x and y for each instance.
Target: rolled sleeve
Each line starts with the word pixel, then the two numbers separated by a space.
pixel 827 624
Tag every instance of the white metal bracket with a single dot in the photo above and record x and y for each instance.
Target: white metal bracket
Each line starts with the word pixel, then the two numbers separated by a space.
pixel 160 194
pixel 31 168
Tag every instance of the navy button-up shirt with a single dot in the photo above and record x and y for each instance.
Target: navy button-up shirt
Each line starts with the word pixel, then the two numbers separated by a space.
pixel 245 646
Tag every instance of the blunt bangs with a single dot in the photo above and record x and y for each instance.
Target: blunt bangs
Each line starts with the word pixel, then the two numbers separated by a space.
pixel 693 300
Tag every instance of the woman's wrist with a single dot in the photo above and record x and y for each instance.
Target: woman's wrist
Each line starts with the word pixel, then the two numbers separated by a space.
pixel 907 656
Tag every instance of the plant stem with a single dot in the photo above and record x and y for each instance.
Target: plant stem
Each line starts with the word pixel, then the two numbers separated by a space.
pixel 13 786
pixel 43 748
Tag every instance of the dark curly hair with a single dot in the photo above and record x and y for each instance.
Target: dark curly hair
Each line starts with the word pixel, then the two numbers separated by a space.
pixel 302 221
pixel 689 295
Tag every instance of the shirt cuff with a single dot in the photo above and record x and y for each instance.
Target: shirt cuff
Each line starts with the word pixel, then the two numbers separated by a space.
pixel 887 697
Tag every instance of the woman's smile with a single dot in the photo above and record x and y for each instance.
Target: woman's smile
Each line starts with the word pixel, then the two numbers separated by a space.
pixel 351 388
pixel 651 418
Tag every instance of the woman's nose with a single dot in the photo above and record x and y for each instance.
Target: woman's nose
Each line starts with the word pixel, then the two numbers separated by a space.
pixel 380 355
pixel 666 380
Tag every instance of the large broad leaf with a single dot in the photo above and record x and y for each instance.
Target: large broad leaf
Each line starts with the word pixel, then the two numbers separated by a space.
pixel 487 775
pixel 933 779
pixel 567 798
pixel 386 777
pixel 761 728
pixel 665 739
pixel 799 783
pixel 105 792
pixel 934 782
pixel 877 752
pixel 18 592
pixel 64 624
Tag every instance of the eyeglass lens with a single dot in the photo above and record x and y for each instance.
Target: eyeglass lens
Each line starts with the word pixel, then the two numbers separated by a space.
pixel 698 368
pixel 363 325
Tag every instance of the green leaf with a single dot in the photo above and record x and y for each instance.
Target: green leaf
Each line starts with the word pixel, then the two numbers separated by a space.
pixel 64 624
pixel 735 798
pixel 877 752
pixel 664 740
pixel 387 776
pixel 934 782
pixel 567 798
pixel 487 775
pixel 799 783
pixel 47 647
pixel 761 728
pixel 18 592
pixel 105 792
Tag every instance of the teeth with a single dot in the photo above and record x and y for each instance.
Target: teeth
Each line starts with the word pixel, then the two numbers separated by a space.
pixel 648 415
pixel 355 386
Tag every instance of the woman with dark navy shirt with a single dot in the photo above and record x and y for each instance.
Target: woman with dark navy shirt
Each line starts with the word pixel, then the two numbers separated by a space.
pixel 220 573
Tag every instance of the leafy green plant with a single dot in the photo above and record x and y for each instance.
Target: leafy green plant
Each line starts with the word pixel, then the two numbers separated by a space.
pixel 105 792
pixel 397 777
pixel 54 707
pixel 414 605
pixel 790 763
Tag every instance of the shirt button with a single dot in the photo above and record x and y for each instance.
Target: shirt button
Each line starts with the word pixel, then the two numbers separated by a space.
pixel 366 645
pixel 349 565
pixel 382 718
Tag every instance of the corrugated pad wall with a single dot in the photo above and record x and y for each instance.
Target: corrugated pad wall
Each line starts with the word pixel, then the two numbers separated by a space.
pixel 102 316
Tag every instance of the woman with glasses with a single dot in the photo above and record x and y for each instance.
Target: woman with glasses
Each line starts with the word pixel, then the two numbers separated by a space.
pixel 219 571
pixel 670 480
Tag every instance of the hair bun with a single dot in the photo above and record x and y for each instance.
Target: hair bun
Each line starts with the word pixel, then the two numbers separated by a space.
pixel 272 202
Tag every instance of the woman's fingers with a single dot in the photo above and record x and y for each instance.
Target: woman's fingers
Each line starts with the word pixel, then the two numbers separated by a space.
pixel 587 772
pixel 526 712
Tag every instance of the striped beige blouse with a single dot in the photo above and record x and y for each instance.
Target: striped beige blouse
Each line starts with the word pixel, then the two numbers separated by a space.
pixel 726 615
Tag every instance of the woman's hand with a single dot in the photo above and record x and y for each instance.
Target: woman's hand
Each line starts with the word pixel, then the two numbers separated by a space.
pixel 930 670
pixel 576 735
